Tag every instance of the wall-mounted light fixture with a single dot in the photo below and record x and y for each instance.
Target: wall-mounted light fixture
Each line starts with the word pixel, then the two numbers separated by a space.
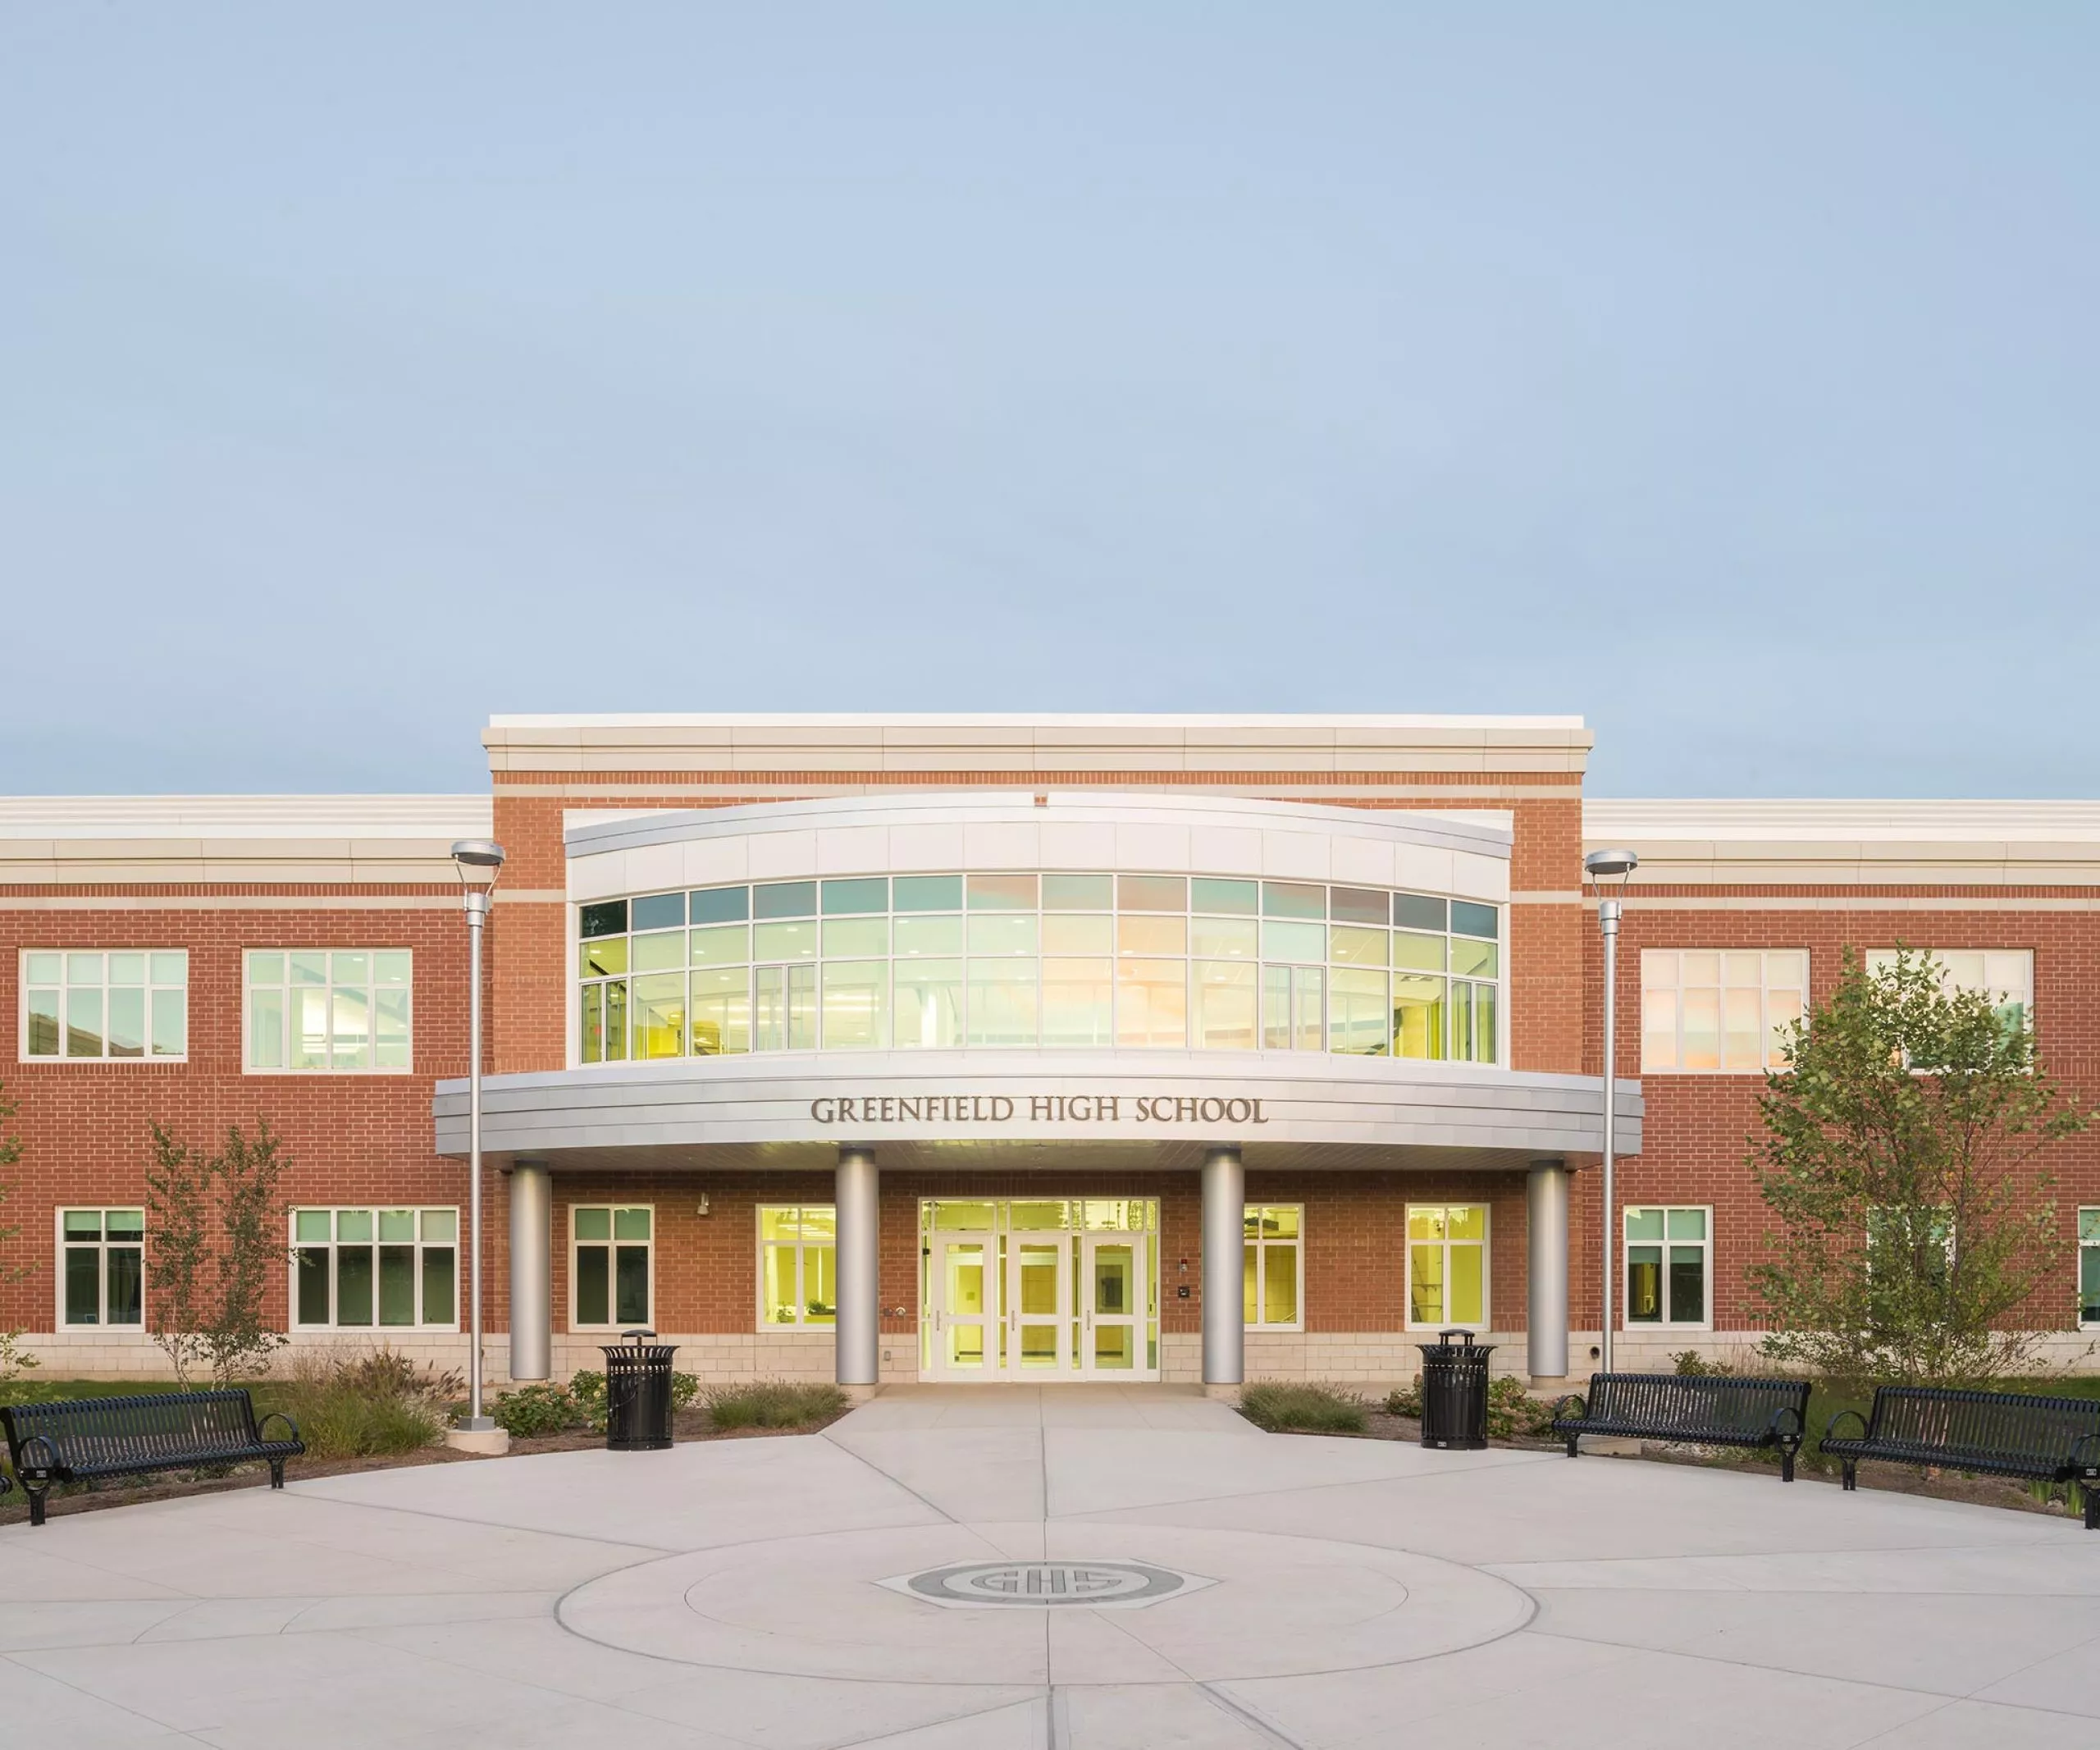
pixel 703 1208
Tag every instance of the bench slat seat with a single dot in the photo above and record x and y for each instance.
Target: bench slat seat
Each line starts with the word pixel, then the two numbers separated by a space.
pixel 87 1439
pixel 1699 1409
pixel 1996 1433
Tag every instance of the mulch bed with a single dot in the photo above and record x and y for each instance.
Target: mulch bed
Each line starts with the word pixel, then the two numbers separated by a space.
pixel 689 1427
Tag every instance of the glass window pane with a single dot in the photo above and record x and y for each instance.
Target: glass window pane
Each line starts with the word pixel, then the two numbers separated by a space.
pixel 1275 1008
pixel 1466 1221
pixel 591 1016
pixel 354 1285
pixel 657 1016
pixel 127 969
pixel 1359 1022
pixel 1076 892
pixel 1350 945
pixel 127 1021
pixel 1078 934
pixel 854 937
pixel 1743 1034
pixel 1002 1002
pixel 83 1224
pixel 1232 898
pixel 1279 1285
pixel 729 945
pixel 1250 1293
pixel 1419 911
pixel 819 1285
pixel 1687 1284
pixel 351 1032
pixel 1658 1029
pixel 441 1224
pixel 1140 893
pixel 862 893
pixel 397 1285
pixel 780 1292
pixel 439 1285
pixel 2089 1227
pixel 784 899
pixel 784 941
pixel 719 905
pixel 43 1024
pixel 1644 1285
pixel 84 969
pixel 631 1224
pixel 1001 893
pixel 1308 996
pixel 1418 953
pixel 312 1273
pixel 1486 1030
pixel 1146 935
pixel 397 1224
pixel 594 1224
pixel 593 1291
pixel 84 1037
pixel 856 1004
pixel 83 1285
pixel 170 1022
pixel 934 936
pixel 1467 1291
pixel 1151 1002
pixel 1644 1224
pixel 43 969
pixel 1473 959
pixel 309 1027
pixel 927 894
pixel 608 918
pixel 312 1224
pixel 1425 1285
pixel 1079 1000
pixel 1303 942
pixel 1226 999
pixel 354 1226
pixel 1223 938
pixel 657 912
pixel 631 1286
pixel 607 955
pixel 721 1010
pixel 392 967
pixel 349 968
pixel 1468 919
pixel 390 1027
pixel 125 1224
pixel 1280 1223
pixel 125 1290
pixel 1701 1047
pixel 1687 1224
pixel 1358 904
pixel 926 1002
pixel 658 953
pixel 1009 933
pixel 1294 899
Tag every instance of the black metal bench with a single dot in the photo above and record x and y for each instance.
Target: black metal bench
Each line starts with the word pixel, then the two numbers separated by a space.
pixel 1706 1409
pixel 1999 1433
pixel 84 1439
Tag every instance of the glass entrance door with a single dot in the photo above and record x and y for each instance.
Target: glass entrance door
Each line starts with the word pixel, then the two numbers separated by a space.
pixel 1111 1323
pixel 1039 1306
pixel 966 1311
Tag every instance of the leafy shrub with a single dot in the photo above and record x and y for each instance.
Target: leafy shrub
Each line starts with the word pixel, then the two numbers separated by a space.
pixel 684 1388
pixel 1690 1364
pixel 1405 1400
pixel 363 1405
pixel 1302 1406
pixel 770 1403
pixel 1514 1414
pixel 586 1394
pixel 528 1412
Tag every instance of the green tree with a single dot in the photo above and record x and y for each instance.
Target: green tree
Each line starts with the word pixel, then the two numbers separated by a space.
pixel 1903 1153
pixel 214 1236
pixel 12 1360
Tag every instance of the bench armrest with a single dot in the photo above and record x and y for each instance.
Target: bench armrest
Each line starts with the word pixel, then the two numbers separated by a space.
pixel 1581 1408
pixel 29 1461
pixel 277 1415
pixel 2085 1457
pixel 1785 1423
pixel 1830 1428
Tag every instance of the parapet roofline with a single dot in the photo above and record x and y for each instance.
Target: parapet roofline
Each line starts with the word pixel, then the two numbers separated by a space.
pixel 812 746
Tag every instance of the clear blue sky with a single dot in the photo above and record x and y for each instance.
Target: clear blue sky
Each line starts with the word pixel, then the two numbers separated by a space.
pixel 1729 375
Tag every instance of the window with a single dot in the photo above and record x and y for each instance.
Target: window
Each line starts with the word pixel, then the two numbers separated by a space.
pixel 2088 1266
pixel 358 1269
pixel 105 1003
pixel 101 1267
pixel 1447 1266
pixel 328 1011
pixel 1057 961
pixel 2006 975
pixel 1668 1259
pixel 1716 1010
pixel 798 1267
pixel 1272 1255
pixel 610 1282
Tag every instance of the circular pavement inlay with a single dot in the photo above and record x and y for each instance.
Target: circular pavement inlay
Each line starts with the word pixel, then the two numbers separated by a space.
pixel 984 1585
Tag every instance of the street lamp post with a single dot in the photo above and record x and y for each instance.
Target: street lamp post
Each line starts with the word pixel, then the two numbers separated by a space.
pixel 1602 865
pixel 475 853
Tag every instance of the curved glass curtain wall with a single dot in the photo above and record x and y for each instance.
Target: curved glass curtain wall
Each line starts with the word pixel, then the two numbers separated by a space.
pixel 1047 961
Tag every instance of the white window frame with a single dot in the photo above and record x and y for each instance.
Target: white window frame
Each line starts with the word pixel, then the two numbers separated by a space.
pixel 101 1248
pixel 458 1243
pixel 802 1320
pixel 371 988
pixel 22 1052
pixel 2083 1247
pixel 612 1244
pixel 1627 1242
pixel 1262 1248
pixel 1486 1245
pixel 1768 1031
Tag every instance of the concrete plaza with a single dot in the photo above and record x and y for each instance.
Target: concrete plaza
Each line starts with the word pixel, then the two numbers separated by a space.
pixel 1320 1592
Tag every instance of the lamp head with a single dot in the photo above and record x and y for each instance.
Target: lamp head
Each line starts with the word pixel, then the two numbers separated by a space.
pixel 1612 865
pixel 477 853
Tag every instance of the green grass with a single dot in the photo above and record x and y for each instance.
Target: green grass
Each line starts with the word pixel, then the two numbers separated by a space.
pixel 1303 1407
pixel 771 1403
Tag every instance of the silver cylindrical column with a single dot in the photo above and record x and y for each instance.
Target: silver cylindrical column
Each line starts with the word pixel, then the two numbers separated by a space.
pixel 532 1271
pixel 1225 1241
pixel 1608 921
pixel 860 1325
pixel 1546 1303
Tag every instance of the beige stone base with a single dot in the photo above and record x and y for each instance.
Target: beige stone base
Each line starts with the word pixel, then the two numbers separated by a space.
pixel 490 1442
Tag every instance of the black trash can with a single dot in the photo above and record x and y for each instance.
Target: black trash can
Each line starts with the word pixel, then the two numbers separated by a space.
pixel 1454 1393
pixel 638 1394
